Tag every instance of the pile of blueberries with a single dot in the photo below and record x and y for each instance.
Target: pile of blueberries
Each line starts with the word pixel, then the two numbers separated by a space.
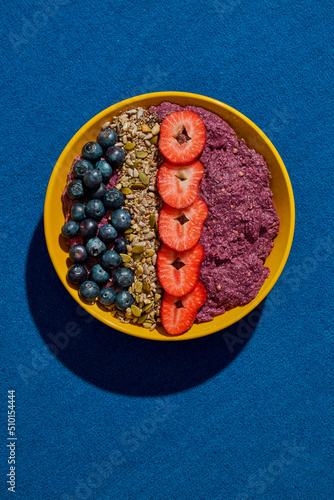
pixel 88 188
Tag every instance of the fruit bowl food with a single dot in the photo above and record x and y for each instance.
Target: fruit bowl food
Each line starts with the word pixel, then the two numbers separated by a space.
pixel 54 215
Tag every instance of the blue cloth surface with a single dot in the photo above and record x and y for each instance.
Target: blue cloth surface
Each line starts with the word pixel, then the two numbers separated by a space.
pixel 109 416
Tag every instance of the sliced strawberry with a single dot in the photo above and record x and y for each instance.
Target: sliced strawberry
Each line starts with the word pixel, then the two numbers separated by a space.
pixel 188 125
pixel 179 313
pixel 178 184
pixel 180 229
pixel 178 272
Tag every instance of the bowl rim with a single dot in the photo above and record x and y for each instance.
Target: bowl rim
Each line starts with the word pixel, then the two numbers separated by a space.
pixel 167 95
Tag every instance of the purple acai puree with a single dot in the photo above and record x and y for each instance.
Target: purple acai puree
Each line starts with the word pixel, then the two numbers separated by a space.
pixel 242 222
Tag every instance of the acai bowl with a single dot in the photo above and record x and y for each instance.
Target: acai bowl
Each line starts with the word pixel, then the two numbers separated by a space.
pixel 252 141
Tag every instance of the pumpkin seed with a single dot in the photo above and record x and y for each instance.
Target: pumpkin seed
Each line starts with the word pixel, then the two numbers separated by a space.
pixel 138 286
pixel 152 221
pixel 129 145
pixel 126 191
pixel 138 186
pixel 154 139
pixel 137 257
pixel 142 319
pixel 139 271
pixel 149 252
pixel 141 154
pixel 138 249
pixel 148 306
pixel 144 179
pixel 125 257
pixel 146 286
pixel 135 311
pixel 145 128
pixel 137 163
pixel 137 299
pixel 128 231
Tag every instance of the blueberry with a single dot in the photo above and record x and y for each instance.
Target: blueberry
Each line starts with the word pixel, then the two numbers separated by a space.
pixel 107 138
pixel 124 300
pixel 95 209
pixel 88 228
pixel 114 198
pixel 97 193
pixel 75 189
pixel 81 167
pixel 99 275
pixel 120 245
pixel 115 156
pixel 105 169
pixel 121 219
pixel 89 290
pixel 70 229
pixel 111 259
pixel 78 253
pixel 92 179
pixel 123 277
pixel 107 233
pixel 76 274
pixel 107 296
pixel 95 247
pixel 92 151
pixel 78 212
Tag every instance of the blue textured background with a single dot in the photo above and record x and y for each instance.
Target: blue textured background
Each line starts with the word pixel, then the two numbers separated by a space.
pixel 108 416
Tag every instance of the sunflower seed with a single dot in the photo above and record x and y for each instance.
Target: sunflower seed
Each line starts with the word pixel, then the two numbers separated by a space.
pixel 149 235
pixel 155 129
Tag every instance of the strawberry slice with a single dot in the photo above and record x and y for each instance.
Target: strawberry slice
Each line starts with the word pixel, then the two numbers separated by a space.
pixel 178 184
pixel 179 313
pixel 180 229
pixel 189 128
pixel 178 272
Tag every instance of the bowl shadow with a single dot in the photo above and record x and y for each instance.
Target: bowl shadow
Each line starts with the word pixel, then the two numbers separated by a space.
pixel 112 360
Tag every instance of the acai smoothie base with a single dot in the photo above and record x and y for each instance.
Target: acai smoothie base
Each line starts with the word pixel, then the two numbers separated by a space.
pixel 237 235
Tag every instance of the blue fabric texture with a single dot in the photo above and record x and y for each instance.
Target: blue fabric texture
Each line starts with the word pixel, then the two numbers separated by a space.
pixel 238 415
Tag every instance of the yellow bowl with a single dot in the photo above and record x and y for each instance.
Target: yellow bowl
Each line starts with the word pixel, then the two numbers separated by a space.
pixel 254 137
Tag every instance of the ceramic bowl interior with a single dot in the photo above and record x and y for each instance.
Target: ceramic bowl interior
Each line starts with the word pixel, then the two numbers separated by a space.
pixel 244 128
